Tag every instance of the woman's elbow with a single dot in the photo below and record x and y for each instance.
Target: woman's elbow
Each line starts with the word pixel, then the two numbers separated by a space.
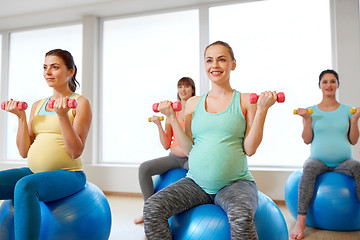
pixel 250 152
pixel 23 154
pixel 76 154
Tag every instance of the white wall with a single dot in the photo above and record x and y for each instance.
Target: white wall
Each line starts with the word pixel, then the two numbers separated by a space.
pixel 124 178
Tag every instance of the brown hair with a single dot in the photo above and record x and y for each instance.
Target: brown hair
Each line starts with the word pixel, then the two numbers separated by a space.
pixel 224 44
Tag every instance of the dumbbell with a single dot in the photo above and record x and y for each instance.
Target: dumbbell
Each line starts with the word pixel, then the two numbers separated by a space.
pixel 254 98
pixel 352 110
pixel 21 105
pixel 309 110
pixel 175 105
pixel 72 103
pixel 161 118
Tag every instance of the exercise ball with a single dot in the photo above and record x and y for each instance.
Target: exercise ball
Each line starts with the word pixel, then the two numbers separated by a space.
pixel 167 178
pixel 269 221
pixel 334 206
pixel 202 222
pixel 83 215
pixel 209 221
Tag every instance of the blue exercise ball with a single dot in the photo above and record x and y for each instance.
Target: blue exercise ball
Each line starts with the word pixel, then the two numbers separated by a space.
pixel 83 215
pixel 202 222
pixel 209 221
pixel 269 221
pixel 334 206
pixel 167 178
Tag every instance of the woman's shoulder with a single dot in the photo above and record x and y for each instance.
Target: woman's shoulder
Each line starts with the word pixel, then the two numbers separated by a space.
pixel 191 103
pixel 81 99
pixel 38 103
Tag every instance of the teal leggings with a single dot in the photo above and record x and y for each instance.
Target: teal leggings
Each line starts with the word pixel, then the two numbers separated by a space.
pixel 28 189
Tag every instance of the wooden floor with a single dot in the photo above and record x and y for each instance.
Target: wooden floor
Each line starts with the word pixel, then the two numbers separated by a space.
pixel 125 208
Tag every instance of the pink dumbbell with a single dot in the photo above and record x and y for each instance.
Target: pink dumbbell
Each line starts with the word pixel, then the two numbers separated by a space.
pixel 254 97
pixel 72 103
pixel 21 105
pixel 175 105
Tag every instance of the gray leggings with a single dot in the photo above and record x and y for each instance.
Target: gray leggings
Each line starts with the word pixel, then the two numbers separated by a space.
pixel 239 201
pixel 312 169
pixel 158 166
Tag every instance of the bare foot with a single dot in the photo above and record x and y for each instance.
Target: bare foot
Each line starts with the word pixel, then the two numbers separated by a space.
pixel 139 220
pixel 298 231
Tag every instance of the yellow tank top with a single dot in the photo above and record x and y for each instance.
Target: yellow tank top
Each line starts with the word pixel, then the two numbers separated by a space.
pixel 48 151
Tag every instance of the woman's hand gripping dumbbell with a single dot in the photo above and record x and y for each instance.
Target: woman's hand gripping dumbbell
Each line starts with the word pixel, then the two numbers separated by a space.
pixel 176 106
pixel 253 98
pixel 20 105
pixel 161 118
pixel 309 110
pixel 72 103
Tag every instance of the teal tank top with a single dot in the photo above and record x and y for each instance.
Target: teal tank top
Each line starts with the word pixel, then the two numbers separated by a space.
pixel 217 157
pixel 330 143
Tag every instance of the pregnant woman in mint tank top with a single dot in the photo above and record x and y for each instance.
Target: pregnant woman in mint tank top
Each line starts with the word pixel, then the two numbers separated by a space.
pixel 331 130
pixel 221 129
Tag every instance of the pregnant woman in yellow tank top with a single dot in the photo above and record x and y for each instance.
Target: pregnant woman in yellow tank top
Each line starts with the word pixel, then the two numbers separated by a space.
pixel 52 141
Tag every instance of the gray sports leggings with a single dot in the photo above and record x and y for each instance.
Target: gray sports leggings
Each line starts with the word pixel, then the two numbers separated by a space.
pixel 239 201
pixel 312 169
pixel 158 166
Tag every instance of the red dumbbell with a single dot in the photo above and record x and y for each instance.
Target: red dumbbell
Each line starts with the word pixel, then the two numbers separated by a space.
pixel 21 105
pixel 254 97
pixel 72 103
pixel 175 105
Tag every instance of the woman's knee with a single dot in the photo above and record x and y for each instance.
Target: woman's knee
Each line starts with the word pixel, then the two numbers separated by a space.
pixel 144 169
pixel 314 166
pixel 24 187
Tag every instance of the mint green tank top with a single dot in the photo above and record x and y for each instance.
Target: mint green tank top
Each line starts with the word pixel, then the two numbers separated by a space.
pixel 217 157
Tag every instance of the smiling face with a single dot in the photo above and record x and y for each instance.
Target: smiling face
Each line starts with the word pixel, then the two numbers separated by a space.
pixel 218 63
pixel 185 92
pixel 328 84
pixel 55 72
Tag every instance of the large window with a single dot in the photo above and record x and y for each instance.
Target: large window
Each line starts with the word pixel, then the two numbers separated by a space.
pixel 143 58
pixel 280 45
pixel 27 54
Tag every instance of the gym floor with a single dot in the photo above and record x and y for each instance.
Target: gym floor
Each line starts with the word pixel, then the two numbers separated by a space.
pixel 125 208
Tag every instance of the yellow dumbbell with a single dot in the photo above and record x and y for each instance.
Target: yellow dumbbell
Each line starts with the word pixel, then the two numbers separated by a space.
pixel 309 110
pixel 161 118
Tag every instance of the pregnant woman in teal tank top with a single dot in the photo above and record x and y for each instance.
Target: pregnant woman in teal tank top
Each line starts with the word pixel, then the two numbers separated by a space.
pixel 331 130
pixel 221 129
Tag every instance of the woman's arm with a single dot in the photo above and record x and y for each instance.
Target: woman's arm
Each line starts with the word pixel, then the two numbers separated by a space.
pixel 184 138
pixel 307 133
pixel 165 136
pixel 75 134
pixel 25 135
pixel 353 134
pixel 256 114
